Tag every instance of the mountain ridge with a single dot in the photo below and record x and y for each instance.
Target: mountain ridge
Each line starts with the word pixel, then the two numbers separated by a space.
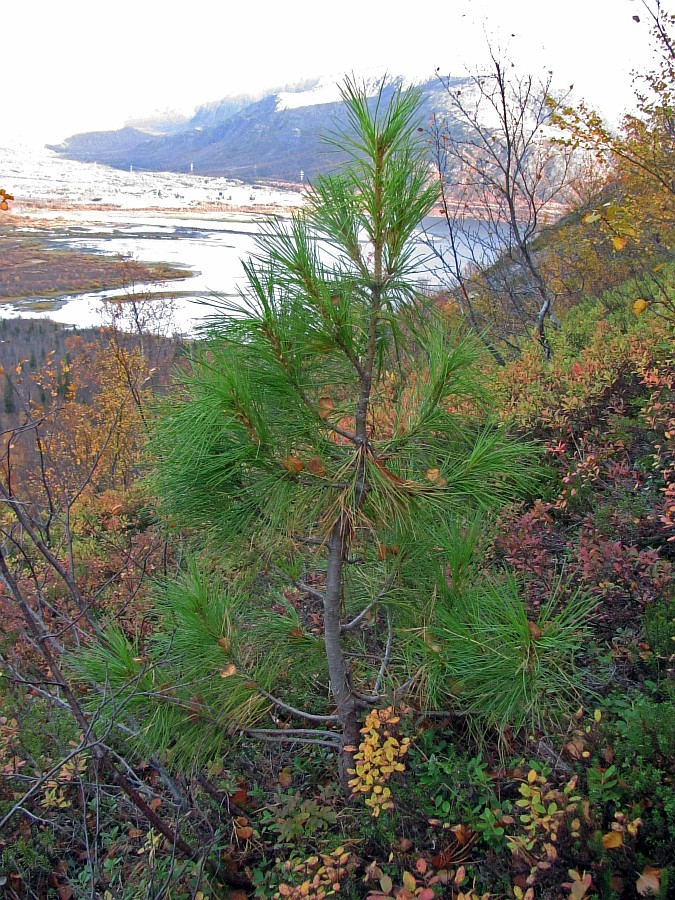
pixel 277 137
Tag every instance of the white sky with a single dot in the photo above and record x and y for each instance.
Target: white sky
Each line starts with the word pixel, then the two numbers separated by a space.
pixel 80 65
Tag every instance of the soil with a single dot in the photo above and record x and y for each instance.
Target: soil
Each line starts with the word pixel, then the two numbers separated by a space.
pixel 30 268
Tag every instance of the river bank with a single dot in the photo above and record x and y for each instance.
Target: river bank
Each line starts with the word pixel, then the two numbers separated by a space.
pixel 34 274
pixel 43 263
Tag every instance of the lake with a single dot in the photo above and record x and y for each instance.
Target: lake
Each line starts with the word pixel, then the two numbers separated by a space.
pixel 185 220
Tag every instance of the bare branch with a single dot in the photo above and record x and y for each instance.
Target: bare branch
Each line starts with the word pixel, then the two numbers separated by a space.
pixel 311 717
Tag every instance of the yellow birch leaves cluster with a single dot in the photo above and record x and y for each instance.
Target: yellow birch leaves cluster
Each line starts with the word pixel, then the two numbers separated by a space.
pixel 377 758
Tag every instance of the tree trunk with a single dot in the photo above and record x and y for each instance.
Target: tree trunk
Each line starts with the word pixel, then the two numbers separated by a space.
pixel 338 670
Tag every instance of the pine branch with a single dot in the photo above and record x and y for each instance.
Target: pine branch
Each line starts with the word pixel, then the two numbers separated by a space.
pixel 311 717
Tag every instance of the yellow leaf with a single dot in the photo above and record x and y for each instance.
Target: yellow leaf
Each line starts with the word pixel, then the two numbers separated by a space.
pixel 228 671
pixel 591 217
pixel 619 242
pixel 409 881
pixel 640 306
pixel 612 840
pixel 432 474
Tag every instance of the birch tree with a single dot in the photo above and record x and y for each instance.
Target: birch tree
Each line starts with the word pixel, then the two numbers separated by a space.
pixel 502 178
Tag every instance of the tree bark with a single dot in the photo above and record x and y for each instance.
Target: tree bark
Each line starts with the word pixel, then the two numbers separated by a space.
pixel 338 669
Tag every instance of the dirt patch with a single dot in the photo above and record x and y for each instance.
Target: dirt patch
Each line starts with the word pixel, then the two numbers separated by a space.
pixel 30 269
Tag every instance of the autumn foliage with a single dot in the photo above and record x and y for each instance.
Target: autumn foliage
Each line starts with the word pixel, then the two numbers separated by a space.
pixel 483 541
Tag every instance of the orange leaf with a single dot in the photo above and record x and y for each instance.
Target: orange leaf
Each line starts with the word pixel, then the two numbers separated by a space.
pixel 612 840
pixel 292 464
pixel 285 778
pixel 575 748
pixel 463 834
pixel 240 797
pixel 649 882
pixel 228 670
pixel 316 466
pixel 245 833
pixel 403 844
pixel 535 630
pixel 326 406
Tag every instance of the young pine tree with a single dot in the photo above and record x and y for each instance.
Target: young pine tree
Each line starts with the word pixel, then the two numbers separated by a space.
pixel 325 438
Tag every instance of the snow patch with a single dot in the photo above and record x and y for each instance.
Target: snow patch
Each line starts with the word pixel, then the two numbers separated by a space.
pixel 327 88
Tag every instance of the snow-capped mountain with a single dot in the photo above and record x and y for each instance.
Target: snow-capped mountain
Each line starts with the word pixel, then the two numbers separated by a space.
pixel 278 136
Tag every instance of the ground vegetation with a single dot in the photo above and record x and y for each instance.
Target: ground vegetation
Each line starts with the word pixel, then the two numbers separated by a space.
pixel 355 607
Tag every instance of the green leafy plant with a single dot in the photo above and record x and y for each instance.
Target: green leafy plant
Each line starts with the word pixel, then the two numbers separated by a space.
pixel 449 783
pixel 302 819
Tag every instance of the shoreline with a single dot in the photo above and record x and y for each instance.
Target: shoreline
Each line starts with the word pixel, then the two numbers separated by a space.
pixel 37 276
